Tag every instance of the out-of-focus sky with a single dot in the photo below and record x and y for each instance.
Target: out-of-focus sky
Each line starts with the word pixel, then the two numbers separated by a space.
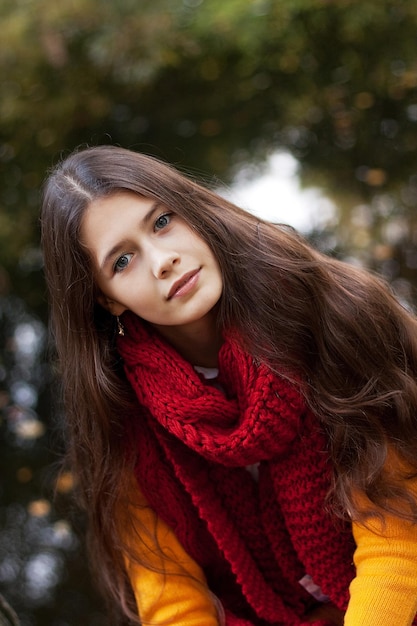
pixel 275 194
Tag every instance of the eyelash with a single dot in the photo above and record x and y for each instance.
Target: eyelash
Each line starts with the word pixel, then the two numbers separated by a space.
pixel 164 215
pixel 116 268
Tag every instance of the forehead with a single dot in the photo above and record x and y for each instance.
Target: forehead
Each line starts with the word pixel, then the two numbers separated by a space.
pixel 114 209
pixel 110 219
pixel 116 201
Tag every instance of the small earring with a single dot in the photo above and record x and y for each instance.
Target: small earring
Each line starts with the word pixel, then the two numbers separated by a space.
pixel 120 327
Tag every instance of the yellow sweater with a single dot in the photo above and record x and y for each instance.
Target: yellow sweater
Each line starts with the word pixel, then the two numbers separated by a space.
pixel 384 592
pixel 179 596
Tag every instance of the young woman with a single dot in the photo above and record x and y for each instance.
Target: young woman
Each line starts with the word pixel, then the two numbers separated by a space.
pixel 241 409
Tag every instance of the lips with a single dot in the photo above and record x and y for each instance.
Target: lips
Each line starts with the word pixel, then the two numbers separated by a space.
pixel 183 282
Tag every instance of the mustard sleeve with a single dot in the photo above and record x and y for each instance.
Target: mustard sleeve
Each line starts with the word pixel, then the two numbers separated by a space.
pixel 385 588
pixel 176 592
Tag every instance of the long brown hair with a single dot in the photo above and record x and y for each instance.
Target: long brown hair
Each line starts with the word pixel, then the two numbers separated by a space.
pixel 336 328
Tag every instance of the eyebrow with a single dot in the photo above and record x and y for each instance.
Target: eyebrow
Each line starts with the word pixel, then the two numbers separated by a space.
pixel 120 245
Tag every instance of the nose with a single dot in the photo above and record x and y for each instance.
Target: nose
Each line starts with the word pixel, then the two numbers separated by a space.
pixel 162 262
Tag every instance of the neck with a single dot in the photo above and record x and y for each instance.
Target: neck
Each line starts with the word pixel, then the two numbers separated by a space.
pixel 198 343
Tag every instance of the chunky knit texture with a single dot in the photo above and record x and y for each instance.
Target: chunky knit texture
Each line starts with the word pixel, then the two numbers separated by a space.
pixel 254 540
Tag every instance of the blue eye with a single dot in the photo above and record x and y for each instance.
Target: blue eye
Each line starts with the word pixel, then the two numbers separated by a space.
pixel 162 221
pixel 122 262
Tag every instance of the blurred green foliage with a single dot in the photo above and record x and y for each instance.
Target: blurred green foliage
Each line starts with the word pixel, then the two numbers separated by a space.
pixel 208 85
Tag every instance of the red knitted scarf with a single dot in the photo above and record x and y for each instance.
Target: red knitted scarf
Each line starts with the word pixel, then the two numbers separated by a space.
pixel 254 540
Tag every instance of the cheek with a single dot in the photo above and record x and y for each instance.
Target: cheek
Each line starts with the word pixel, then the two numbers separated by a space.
pixel 208 254
pixel 196 242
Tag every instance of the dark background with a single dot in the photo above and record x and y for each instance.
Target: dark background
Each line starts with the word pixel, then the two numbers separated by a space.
pixel 212 86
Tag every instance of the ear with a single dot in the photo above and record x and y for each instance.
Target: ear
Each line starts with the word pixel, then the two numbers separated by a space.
pixel 113 307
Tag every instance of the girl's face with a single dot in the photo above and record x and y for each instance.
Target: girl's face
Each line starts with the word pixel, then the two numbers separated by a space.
pixel 149 261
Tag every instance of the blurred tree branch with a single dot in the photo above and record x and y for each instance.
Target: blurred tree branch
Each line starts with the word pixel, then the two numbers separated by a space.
pixel 7 615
